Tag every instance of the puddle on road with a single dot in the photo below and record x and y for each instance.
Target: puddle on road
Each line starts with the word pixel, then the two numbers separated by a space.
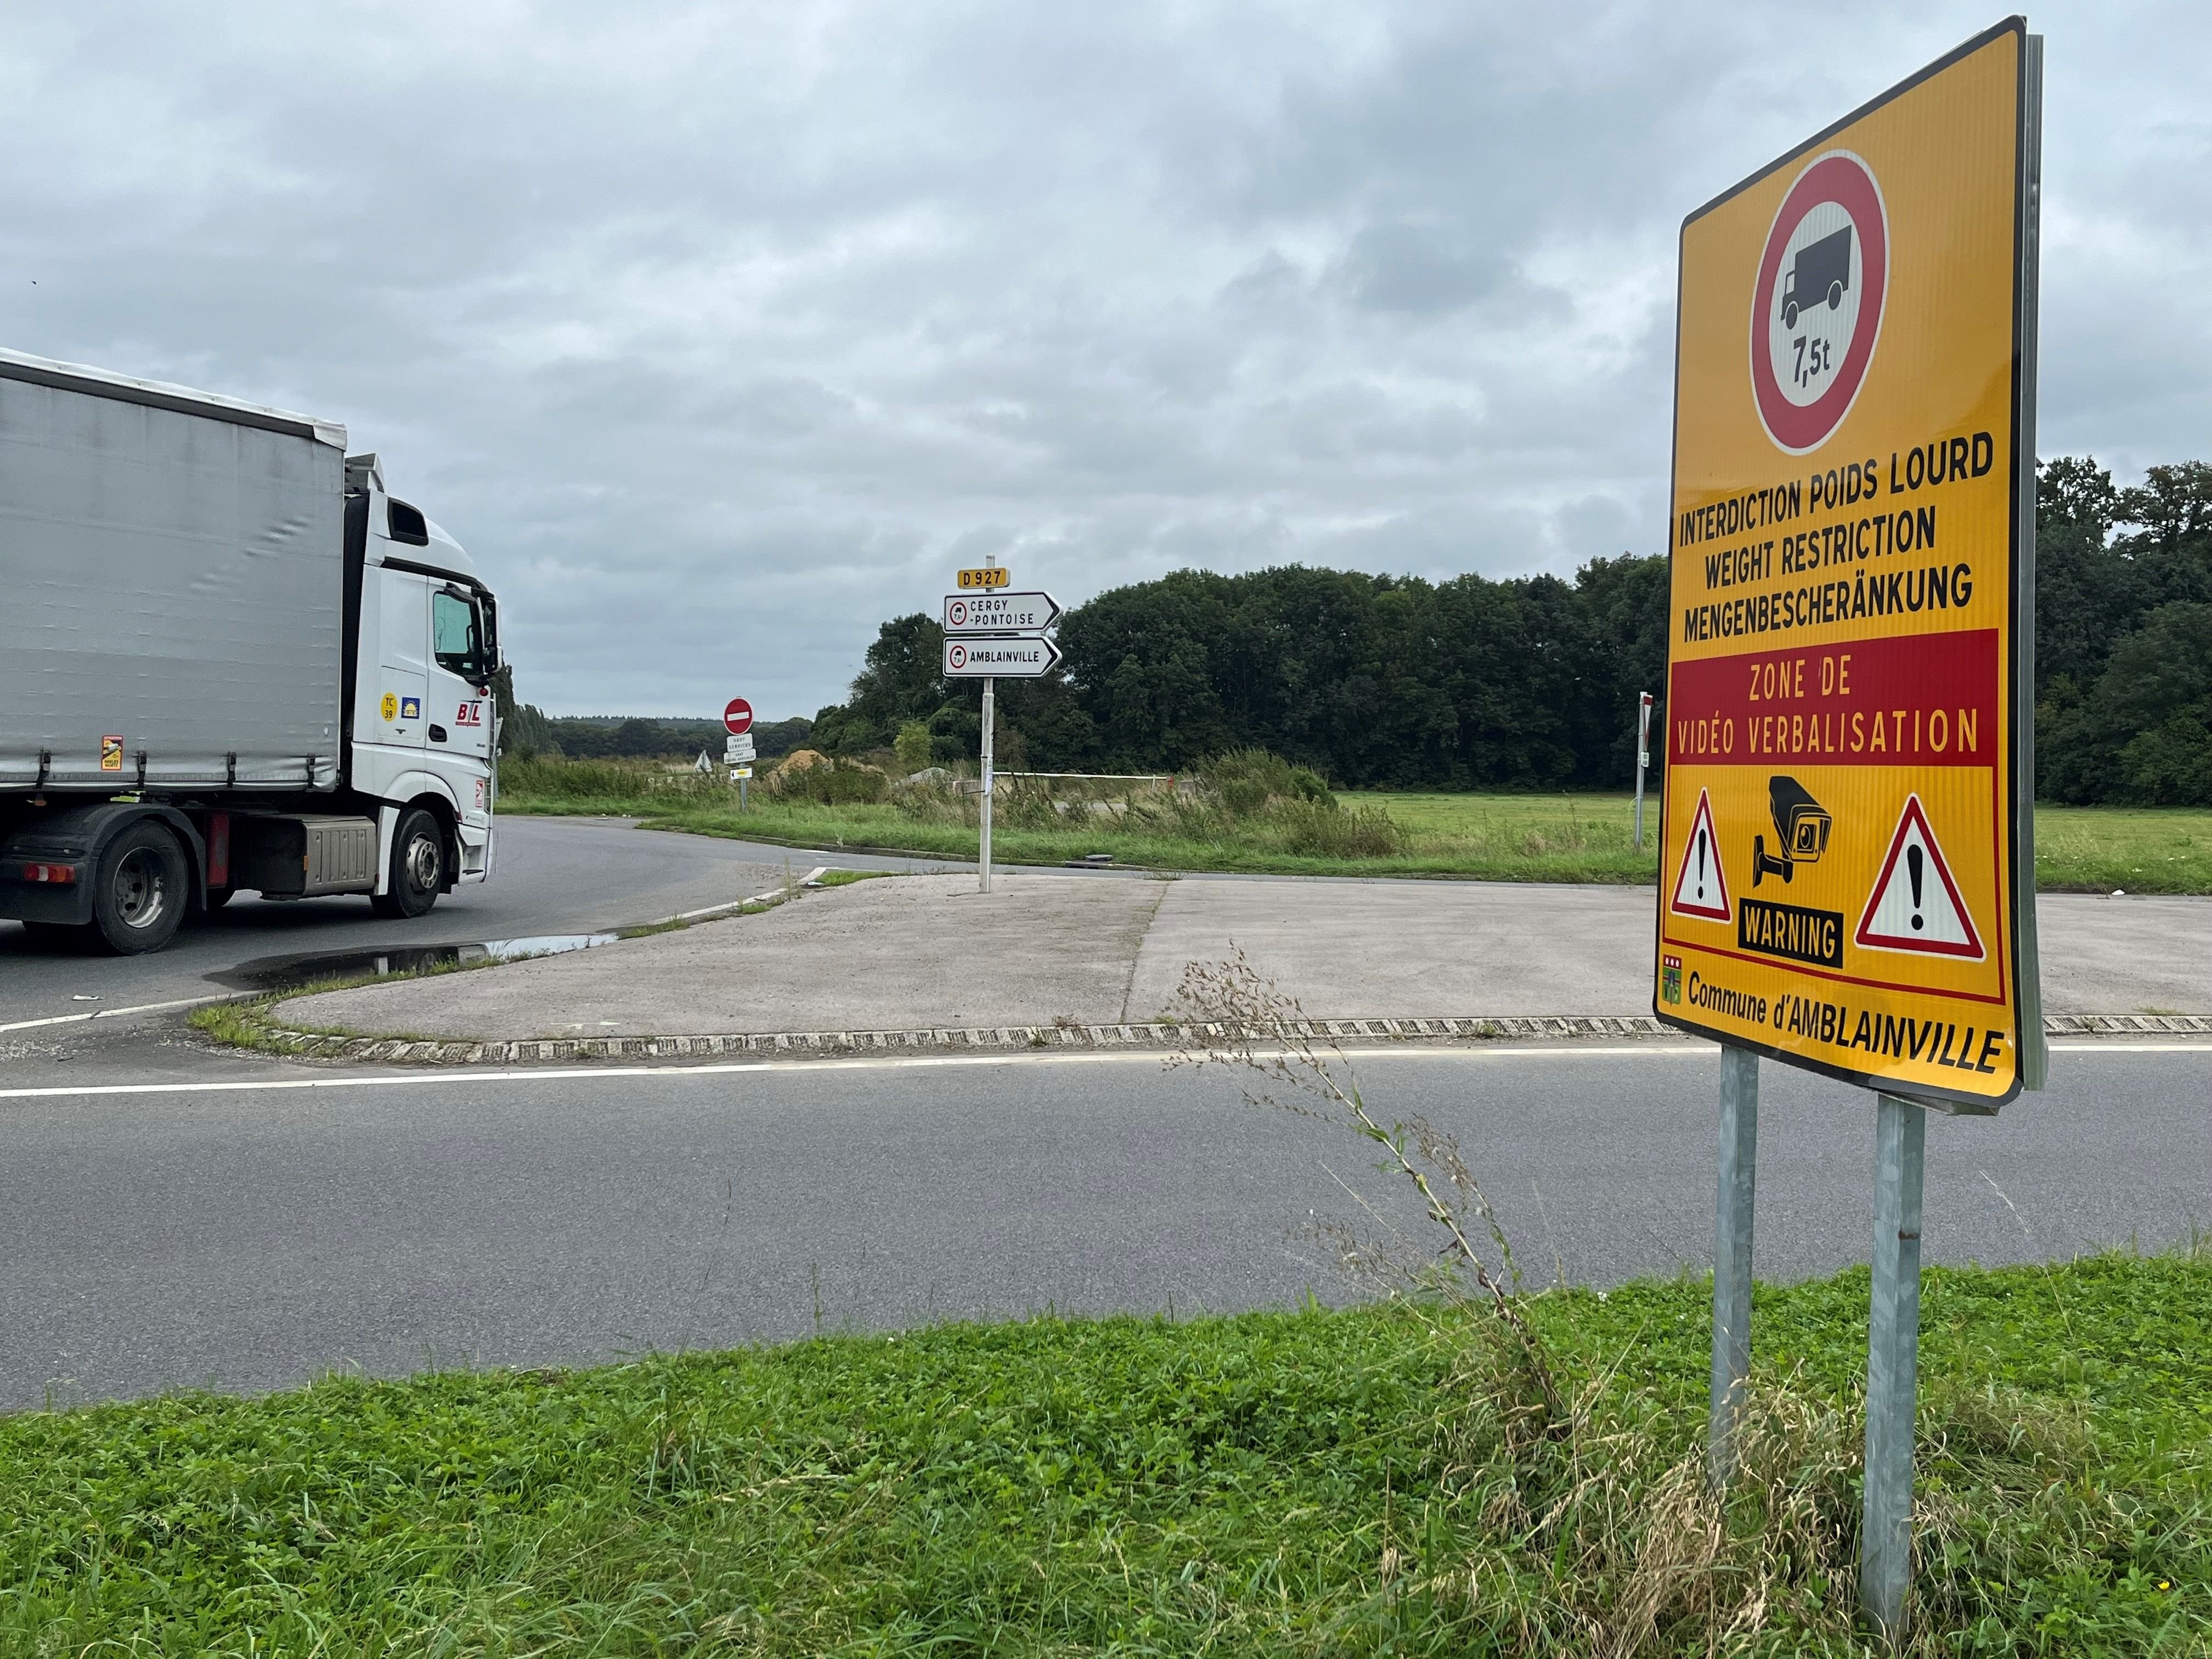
pixel 289 973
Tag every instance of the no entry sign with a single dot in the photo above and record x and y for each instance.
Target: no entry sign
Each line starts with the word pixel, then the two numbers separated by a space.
pixel 737 716
pixel 1847 874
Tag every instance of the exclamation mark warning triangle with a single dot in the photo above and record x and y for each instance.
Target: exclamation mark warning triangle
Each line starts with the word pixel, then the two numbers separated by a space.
pixel 1700 890
pixel 1916 905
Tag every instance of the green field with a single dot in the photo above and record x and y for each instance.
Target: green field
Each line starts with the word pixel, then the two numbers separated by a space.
pixel 1315 1482
pixel 1496 837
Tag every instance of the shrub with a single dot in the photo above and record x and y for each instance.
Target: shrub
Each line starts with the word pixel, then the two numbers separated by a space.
pixel 1246 779
pixel 913 746
pixel 831 783
pixel 611 784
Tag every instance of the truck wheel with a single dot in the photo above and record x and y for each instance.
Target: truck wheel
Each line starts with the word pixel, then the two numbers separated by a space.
pixel 418 866
pixel 139 894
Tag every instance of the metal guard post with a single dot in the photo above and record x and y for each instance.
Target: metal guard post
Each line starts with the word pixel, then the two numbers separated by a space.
pixel 1892 1362
pixel 1732 1236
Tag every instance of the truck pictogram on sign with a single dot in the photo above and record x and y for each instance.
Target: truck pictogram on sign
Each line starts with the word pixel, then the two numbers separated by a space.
pixel 1821 273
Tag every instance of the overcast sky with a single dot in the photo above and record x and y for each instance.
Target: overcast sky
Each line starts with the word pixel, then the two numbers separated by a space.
pixel 718 333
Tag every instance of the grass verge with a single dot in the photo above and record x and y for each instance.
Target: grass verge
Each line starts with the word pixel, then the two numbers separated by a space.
pixel 244 1024
pixel 1309 1482
pixel 1491 837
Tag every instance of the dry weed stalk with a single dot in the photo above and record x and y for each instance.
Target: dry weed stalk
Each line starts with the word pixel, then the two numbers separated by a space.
pixel 1231 1016
pixel 1646 1557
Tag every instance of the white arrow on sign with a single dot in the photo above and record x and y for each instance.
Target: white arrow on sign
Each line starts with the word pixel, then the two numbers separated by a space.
pixel 1003 658
pixel 1000 613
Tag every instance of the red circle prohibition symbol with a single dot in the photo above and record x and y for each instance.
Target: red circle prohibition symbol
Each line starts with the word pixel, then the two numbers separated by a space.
pixel 1841 178
pixel 738 717
pixel 958 656
pixel 959 613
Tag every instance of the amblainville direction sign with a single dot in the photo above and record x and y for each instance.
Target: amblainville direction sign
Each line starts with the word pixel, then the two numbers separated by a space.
pixel 1003 658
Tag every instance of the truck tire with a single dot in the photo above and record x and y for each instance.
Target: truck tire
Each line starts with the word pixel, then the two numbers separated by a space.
pixel 140 891
pixel 418 866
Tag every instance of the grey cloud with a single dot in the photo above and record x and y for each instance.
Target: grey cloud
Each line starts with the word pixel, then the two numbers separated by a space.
pixel 718 333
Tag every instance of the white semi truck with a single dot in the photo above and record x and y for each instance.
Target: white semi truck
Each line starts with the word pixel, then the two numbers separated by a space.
pixel 229 661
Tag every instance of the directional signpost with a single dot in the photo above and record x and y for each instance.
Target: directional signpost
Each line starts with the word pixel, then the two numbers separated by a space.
pixel 1000 613
pixel 1847 845
pixel 991 634
pixel 738 753
pixel 1003 658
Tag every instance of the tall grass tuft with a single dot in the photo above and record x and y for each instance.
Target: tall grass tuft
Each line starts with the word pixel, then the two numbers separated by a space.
pixel 1600 1532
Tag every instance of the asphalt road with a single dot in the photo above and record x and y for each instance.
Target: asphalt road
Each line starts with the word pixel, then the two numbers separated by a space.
pixel 250 1235
pixel 551 875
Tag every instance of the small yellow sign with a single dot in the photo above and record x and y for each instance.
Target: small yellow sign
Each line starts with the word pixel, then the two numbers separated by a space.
pixel 390 706
pixel 1844 858
pixel 111 754
pixel 996 575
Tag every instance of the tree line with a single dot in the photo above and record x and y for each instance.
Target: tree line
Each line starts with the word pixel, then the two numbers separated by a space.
pixel 529 732
pixel 2123 634
pixel 1525 682
pixel 1374 682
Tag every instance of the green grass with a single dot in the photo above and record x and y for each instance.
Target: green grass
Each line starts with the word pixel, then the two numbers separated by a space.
pixel 1297 1483
pixel 1493 837
pixel 2139 849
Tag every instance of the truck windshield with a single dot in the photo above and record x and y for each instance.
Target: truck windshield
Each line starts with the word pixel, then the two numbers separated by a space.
pixel 457 637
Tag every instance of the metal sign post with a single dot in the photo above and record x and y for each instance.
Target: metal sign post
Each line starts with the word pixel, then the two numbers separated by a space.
pixel 1643 757
pixel 990 634
pixel 1739 1179
pixel 983 852
pixel 990 712
pixel 1892 1362
pixel 1847 846
pixel 737 751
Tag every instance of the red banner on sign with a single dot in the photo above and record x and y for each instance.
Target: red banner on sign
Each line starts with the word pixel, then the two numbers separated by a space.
pixel 1921 700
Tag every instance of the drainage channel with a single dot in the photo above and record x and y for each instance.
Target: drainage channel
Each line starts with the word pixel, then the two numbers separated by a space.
pixel 290 973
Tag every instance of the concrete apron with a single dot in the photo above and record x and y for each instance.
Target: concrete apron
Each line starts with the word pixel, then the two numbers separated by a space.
pixel 1053 953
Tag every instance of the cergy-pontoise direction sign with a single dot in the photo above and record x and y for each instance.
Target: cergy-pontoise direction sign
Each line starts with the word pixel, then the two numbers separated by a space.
pixel 737 716
pixel 1846 874
pixel 1003 658
pixel 1000 613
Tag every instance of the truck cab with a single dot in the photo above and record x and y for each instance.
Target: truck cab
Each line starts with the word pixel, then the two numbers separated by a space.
pixel 421 727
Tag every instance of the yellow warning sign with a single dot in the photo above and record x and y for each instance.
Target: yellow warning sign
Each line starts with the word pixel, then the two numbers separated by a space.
pixel 1843 854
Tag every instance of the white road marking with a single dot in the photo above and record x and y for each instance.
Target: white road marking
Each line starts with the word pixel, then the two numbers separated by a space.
pixel 118 1013
pixel 1659 1050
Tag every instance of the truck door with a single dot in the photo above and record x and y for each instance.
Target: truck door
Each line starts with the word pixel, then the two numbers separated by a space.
pixel 403 703
pixel 460 673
